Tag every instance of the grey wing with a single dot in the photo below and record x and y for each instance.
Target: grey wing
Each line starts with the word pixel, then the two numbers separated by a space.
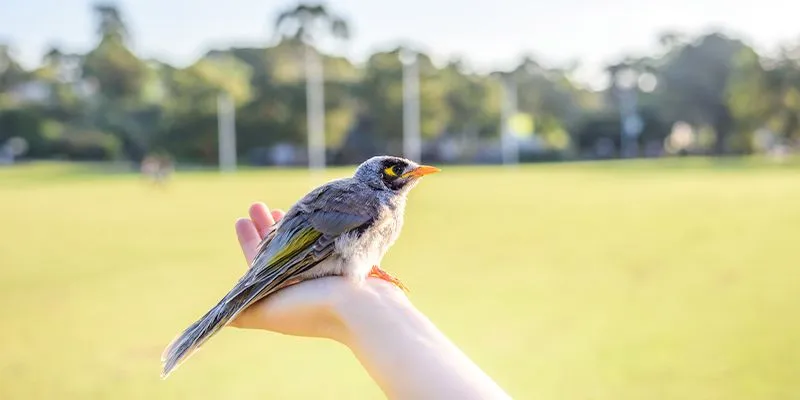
pixel 303 238
pixel 306 236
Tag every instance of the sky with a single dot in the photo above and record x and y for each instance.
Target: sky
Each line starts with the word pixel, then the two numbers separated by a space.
pixel 487 34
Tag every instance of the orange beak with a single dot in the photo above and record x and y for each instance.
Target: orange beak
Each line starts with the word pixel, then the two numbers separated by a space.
pixel 423 170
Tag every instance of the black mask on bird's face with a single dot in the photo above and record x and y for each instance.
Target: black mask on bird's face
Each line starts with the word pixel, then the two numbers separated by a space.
pixel 392 173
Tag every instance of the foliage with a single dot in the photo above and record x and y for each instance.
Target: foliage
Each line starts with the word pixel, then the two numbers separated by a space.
pixel 716 83
pixel 308 22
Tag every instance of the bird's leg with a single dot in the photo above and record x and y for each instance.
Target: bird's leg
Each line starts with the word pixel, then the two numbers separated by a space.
pixel 377 272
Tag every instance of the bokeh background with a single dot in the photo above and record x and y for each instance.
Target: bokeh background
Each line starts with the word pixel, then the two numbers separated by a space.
pixel 617 218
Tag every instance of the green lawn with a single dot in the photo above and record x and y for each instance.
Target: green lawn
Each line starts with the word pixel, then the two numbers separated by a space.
pixel 637 280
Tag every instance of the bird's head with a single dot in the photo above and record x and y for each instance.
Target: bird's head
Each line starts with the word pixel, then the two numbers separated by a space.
pixel 392 174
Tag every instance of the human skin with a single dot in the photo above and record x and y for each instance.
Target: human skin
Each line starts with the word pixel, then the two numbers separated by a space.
pixel 400 348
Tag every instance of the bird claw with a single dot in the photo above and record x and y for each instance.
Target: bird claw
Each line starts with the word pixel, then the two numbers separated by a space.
pixel 377 272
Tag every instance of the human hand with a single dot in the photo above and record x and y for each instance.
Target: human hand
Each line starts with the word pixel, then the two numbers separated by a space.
pixel 311 308
pixel 406 355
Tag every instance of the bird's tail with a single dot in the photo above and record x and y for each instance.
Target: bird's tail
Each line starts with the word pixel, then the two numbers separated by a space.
pixel 185 344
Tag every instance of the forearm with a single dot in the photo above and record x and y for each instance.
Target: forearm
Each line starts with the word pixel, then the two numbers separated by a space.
pixel 405 353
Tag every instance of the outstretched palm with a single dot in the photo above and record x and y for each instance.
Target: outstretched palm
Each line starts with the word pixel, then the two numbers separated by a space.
pixel 304 309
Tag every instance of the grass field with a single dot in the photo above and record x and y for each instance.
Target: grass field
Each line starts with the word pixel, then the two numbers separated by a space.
pixel 638 280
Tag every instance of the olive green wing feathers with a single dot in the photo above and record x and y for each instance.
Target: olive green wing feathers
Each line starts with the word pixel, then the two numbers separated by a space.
pixel 302 239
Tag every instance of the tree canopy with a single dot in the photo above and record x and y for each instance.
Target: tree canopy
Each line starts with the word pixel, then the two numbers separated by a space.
pixel 111 104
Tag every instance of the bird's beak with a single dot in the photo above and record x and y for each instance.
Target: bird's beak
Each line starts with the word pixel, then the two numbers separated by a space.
pixel 423 170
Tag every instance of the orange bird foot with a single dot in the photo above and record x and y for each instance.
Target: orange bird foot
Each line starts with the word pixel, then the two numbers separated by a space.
pixel 377 272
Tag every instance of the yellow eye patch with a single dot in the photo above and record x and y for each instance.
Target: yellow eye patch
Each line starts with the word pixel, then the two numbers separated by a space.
pixel 390 171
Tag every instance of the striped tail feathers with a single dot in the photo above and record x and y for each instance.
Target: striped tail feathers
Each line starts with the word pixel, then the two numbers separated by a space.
pixel 240 297
pixel 190 340
pixel 270 271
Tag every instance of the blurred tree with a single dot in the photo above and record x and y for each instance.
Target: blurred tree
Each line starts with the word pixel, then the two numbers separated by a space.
pixel 11 72
pixel 119 77
pixel 380 96
pixel 782 81
pixel 110 21
pixel 27 124
pixel 693 82
pixel 766 92
pixel 119 74
pixel 62 72
pixel 108 101
pixel 548 95
pixel 189 127
pixel 748 95
pixel 276 110
pixel 117 71
pixel 473 101
pixel 311 25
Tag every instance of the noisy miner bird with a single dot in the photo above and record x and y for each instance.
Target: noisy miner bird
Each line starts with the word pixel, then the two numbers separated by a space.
pixel 343 227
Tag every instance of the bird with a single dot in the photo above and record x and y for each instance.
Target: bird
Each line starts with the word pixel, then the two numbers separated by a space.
pixel 341 228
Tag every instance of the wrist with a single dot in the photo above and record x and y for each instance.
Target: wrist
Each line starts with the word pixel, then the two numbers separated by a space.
pixel 362 308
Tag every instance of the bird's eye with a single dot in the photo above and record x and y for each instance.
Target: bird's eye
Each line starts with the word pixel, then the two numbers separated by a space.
pixel 393 171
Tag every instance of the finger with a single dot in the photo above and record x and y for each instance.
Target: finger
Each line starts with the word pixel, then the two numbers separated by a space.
pixel 248 237
pixel 261 217
pixel 277 214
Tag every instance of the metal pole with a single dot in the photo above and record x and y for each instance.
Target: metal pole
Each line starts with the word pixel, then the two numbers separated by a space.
pixel 412 142
pixel 509 109
pixel 636 130
pixel 631 123
pixel 627 97
pixel 623 116
pixel 315 109
pixel 226 119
